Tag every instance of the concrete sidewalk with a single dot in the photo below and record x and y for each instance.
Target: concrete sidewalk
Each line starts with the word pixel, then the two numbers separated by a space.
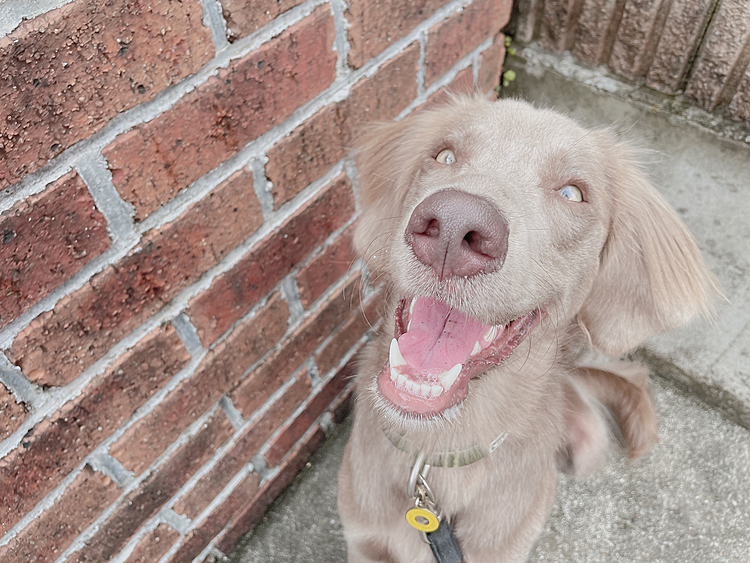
pixel 688 501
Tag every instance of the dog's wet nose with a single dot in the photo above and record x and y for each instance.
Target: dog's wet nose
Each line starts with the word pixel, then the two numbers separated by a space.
pixel 458 234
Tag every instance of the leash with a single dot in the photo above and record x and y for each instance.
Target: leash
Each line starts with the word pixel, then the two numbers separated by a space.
pixel 427 518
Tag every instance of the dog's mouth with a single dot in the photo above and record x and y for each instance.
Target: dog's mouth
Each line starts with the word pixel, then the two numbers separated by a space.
pixel 437 350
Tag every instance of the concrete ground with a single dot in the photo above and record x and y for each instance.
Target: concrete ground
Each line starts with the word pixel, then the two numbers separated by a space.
pixel 689 499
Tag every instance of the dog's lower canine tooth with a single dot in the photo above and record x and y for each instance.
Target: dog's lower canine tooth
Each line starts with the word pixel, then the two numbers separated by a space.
pixel 394 356
pixel 449 377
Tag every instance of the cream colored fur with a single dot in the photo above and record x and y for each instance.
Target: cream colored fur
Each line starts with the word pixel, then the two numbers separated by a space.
pixel 608 272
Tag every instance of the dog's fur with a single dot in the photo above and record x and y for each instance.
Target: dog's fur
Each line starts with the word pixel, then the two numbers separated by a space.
pixel 607 272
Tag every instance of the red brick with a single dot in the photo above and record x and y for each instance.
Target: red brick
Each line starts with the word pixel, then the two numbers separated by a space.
pixel 306 154
pixel 637 36
pixel 246 446
pixel 47 239
pixel 722 57
pixel 245 16
pixel 463 83
pixel 454 38
pixel 154 161
pixel 57 346
pixel 46 537
pixel 383 95
pixel 66 73
pixel 312 148
pixel 491 65
pixel 557 29
pixel 375 26
pixel 200 537
pixel 234 293
pixel 326 268
pixel 678 43
pixel 57 445
pixel 219 371
pixel 262 382
pixel 142 503
pixel 12 414
pixel 244 520
pixel 154 545
pixel 596 30
pixel 296 428
pixel 362 318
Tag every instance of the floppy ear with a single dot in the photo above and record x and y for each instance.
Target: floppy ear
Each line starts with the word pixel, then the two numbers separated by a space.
pixel 652 277
pixel 385 166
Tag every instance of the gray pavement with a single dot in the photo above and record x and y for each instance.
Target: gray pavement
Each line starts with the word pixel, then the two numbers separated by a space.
pixel 688 501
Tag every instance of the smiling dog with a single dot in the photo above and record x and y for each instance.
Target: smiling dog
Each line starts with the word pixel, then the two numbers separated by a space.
pixel 511 244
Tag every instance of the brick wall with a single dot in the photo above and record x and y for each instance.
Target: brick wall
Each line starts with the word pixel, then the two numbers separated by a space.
pixel 698 49
pixel 180 306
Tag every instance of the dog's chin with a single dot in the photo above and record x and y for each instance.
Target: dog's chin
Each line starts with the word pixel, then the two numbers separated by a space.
pixel 437 351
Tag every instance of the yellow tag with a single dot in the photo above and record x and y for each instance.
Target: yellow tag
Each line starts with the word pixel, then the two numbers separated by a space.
pixel 432 522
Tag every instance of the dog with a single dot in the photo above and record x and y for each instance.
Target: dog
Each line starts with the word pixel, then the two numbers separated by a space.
pixel 519 254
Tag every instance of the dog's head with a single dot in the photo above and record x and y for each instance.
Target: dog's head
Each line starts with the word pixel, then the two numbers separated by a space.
pixel 491 221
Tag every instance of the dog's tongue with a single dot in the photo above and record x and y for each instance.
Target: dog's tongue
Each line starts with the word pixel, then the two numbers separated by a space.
pixel 439 337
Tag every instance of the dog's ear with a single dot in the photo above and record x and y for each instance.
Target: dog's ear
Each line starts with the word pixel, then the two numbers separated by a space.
pixel 384 166
pixel 652 277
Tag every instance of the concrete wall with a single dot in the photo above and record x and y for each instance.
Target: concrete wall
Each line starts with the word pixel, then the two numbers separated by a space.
pixel 180 305
pixel 696 48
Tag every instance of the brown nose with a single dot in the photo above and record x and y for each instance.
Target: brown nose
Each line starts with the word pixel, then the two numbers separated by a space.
pixel 458 234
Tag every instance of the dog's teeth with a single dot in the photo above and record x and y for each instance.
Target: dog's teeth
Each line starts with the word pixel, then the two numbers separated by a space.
pixel 477 348
pixel 449 377
pixel 436 391
pixel 411 305
pixel 395 357
pixel 402 381
pixel 490 335
pixel 394 374
pixel 425 390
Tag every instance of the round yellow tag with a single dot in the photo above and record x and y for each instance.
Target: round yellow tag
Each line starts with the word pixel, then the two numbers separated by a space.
pixel 422 520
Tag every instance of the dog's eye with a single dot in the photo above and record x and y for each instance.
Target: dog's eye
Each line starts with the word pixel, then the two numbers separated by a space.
pixel 571 193
pixel 446 156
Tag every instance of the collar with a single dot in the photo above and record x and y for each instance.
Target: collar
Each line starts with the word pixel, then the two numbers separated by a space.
pixel 446 459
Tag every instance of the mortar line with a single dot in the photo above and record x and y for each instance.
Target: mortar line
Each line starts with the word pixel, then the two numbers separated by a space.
pixel 421 71
pixel 189 335
pixel 213 19
pixel 262 186
pixel 111 467
pixel 16 11
pixel 290 292
pixel 92 168
pixel 179 522
pixel 341 42
pixel 24 391
pixel 446 79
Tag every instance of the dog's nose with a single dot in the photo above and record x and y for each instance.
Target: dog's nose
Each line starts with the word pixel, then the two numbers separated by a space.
pixel 458 234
